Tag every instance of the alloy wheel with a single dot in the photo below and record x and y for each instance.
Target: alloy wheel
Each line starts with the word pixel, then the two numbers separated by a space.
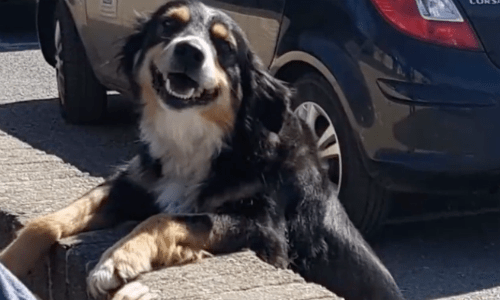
pixel 327 139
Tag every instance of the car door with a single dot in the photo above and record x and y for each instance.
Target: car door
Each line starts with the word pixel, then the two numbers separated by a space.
pixel 108 21
pixel 260 19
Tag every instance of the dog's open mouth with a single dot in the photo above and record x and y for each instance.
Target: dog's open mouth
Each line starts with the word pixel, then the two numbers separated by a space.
pixel 182 86
pixel 178 89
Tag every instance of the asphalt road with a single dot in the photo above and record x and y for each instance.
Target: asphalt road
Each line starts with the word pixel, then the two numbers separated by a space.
pixel 455 258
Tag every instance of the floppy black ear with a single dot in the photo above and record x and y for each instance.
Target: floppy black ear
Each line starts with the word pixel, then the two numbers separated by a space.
pixel 132 46
pixel 267 98
pixel 131 53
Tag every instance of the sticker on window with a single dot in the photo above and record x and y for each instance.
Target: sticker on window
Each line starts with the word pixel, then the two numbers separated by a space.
pixel 108 8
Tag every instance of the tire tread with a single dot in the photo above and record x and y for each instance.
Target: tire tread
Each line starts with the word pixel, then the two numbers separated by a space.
pixel 83 97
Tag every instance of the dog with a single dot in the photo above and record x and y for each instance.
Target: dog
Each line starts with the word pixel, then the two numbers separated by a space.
pixel 224 165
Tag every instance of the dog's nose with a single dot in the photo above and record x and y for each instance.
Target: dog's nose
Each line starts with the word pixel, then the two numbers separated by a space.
pixel 189 55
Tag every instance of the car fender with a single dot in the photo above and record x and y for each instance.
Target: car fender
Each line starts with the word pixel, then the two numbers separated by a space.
pixel 344 75
pixel 304 57
pixel 341 71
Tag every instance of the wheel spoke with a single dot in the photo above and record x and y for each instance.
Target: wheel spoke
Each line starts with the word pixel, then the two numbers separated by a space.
pixel 312 115
pixel 327 137
pixel 302 112
pixel 336 188
pixel 327 141
pixel 332 151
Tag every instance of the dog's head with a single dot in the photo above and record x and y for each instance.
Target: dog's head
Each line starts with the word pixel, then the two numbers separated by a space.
pixel 190 57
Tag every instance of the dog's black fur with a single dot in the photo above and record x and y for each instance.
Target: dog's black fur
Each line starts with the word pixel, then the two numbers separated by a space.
pixel 265 188
pixel 294 219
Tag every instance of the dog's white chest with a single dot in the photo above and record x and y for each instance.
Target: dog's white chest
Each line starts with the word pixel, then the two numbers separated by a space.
pixel 185 142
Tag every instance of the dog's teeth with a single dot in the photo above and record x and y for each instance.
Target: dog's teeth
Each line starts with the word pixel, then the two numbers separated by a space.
pixel 186 96
pixel 190 93
pixel 167 86
pixel 198 94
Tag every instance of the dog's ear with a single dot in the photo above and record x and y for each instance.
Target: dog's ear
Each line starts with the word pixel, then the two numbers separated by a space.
pixel 266 98
pixel 145 30
pixel 131 49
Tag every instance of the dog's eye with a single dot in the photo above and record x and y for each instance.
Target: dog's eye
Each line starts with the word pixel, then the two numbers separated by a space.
pixel 170 23
pixel 223 46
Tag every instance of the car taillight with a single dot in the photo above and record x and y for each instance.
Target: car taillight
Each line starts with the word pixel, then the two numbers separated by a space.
pixel 436 21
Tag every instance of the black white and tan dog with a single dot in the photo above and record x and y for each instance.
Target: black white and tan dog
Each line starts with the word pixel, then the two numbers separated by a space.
pixel 225 165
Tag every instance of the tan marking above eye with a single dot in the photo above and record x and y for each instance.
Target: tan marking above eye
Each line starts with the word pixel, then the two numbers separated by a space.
pixel 220 31
pixel 180 13
pixel 222 112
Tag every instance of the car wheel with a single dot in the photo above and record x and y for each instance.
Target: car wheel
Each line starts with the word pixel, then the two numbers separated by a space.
pixel 82 97
pixel 364 200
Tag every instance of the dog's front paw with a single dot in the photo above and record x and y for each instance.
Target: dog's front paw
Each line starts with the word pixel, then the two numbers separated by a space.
pixel 103 278
pixel 112 272
pixel 135 291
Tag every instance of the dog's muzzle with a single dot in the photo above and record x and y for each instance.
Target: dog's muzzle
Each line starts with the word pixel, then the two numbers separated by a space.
pixel 189 56
pixel 185 75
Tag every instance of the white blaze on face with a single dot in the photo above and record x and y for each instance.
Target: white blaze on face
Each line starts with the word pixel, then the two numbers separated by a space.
pixel 205 77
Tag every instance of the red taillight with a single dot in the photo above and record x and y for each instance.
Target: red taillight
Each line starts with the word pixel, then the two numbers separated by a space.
pixel 405 16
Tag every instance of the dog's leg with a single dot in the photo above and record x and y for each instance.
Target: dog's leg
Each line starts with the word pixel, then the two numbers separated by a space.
pixel 163 240
pixel 344 262
pixel 41 233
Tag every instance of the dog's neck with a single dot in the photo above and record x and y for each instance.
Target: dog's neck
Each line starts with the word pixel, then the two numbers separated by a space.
pixel 183 141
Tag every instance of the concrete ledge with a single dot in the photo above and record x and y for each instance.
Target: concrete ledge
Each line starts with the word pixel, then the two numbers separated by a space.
pixel 242 275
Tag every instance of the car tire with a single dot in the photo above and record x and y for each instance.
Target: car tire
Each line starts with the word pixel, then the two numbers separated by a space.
pixel 83 98
pixel 365 201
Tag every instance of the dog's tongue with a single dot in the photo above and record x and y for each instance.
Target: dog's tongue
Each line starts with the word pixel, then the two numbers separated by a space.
pixel 181 85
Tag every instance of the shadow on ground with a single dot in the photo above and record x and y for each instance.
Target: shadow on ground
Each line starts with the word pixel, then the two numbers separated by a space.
pixel 18 25
pixel 443 258
pixel 17 15
pixel 92 149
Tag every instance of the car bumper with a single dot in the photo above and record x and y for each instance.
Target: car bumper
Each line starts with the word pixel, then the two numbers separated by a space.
pixel 437 148
pixel 437 127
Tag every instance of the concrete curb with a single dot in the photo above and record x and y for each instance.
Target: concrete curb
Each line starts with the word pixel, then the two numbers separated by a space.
pixel 240 275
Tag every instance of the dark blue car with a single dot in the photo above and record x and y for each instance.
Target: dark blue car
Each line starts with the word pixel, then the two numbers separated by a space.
pixel 403 95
